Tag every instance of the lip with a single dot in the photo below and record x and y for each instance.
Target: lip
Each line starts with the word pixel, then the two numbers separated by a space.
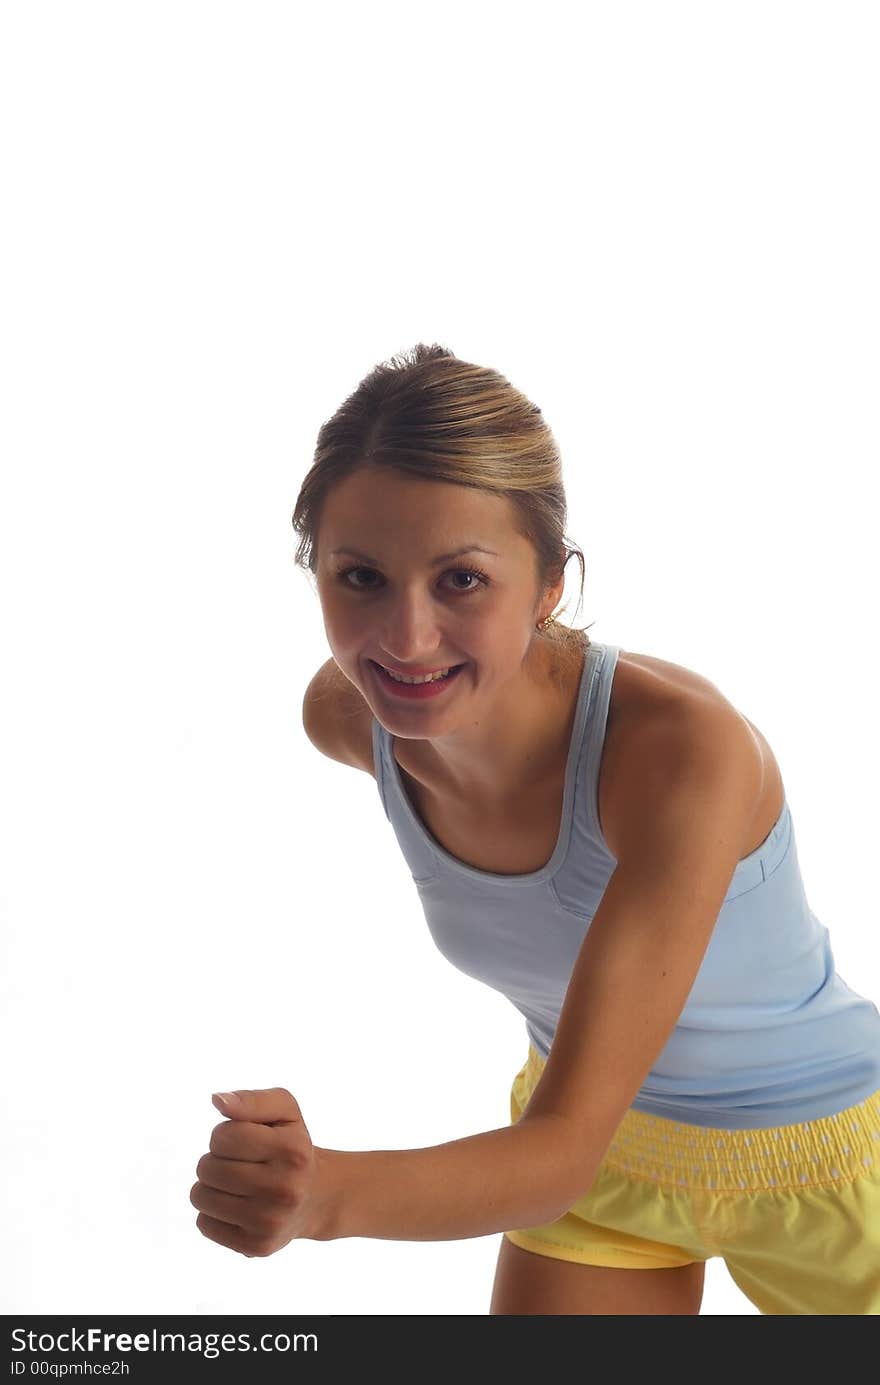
pixel 412 672
pixel 413 692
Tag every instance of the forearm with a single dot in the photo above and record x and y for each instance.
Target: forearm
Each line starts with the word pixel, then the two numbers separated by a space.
pixel 517 1176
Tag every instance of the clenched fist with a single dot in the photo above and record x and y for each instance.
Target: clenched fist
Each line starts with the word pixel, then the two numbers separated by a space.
pixel 255 1189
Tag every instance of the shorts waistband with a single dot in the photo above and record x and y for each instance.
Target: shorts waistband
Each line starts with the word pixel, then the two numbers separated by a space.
pixel 831 1150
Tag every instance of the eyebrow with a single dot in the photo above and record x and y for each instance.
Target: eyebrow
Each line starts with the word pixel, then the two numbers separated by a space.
pixel 441 557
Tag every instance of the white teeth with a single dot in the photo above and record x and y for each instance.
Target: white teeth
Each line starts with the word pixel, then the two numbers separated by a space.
pixel 428 678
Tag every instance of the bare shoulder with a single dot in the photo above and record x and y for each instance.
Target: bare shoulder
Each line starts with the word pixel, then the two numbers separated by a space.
pixel 666 717
pixel 337 720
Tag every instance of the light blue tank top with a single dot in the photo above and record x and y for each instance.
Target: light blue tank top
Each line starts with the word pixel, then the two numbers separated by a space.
pixel 770 1034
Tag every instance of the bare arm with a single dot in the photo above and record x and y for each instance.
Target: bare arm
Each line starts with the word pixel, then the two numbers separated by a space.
pixel 632 977
pixel 515 1176
pixel 677 851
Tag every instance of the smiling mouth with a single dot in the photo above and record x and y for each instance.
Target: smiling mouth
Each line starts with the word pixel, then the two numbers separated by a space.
pixel 416 680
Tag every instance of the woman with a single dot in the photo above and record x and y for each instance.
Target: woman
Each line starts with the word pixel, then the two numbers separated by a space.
pixel 605 839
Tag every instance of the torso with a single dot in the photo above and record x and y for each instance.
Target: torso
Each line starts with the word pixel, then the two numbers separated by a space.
pixel 525 839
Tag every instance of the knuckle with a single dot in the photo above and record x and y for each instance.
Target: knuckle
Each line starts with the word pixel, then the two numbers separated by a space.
pixel 216 1142
pixel 287 1200
pixel 285 1191
pixel 271 1225
pixel 292 1155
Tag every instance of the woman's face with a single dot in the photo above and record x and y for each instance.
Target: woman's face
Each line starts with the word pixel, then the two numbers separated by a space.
pixel 388 598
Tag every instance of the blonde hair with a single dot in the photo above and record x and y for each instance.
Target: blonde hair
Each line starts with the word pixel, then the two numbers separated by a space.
pixel 426 413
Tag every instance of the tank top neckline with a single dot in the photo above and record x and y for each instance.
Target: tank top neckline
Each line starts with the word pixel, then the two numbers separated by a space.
pixel 535 877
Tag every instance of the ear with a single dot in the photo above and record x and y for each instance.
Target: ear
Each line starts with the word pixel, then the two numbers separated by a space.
pixel 553 595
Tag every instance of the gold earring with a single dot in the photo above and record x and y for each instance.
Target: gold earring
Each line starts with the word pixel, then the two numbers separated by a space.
pixel 542 624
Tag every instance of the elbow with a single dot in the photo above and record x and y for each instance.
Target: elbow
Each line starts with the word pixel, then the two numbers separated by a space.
pixel 568 1166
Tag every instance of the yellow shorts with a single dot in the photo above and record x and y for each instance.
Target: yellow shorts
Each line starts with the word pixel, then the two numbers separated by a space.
pixel 794 1211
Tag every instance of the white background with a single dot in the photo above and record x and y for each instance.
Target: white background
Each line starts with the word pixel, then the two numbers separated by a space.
pixel 658 221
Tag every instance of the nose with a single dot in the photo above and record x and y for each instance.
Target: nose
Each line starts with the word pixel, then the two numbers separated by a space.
pixel 411 632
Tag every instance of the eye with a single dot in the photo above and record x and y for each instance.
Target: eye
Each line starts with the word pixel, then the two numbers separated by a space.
pixel 481 578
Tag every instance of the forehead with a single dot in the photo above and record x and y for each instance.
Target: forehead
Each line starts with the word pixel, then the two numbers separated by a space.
pixel 375 503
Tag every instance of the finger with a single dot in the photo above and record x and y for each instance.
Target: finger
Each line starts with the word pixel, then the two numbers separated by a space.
pixel 242 1140
pixel 238 1176
pixel 223 1207
pixel 265 1106
pixel 224 1234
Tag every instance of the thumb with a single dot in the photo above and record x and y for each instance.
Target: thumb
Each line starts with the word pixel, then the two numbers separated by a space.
pixel 264 1106
pixel 230 1103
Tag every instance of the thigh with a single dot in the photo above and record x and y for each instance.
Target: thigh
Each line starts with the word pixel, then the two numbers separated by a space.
pixel 530 1282
pixel 804 1238
pixel 810 1251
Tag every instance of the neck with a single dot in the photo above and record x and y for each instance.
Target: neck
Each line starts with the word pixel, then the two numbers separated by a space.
pixel 516 745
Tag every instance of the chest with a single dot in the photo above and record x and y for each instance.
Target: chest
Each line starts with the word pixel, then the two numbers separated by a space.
pixel 523 838
pixel 517 842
